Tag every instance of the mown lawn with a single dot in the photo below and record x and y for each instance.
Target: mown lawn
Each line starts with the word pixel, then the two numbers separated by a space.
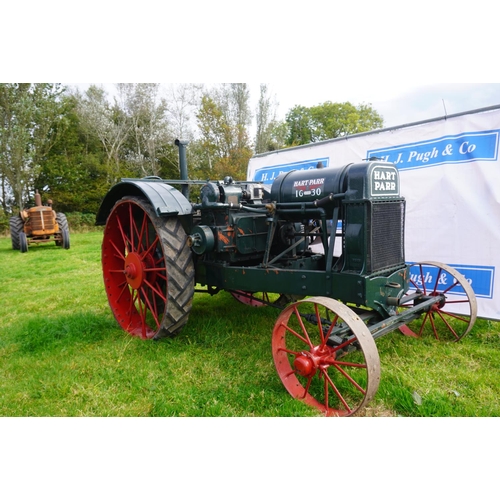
pixel 63 354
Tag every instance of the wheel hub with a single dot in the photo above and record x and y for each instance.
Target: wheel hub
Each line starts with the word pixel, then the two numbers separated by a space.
pixel 307 363
pixel 134 270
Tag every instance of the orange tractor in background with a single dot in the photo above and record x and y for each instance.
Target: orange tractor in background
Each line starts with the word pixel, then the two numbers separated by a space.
pixel 39 224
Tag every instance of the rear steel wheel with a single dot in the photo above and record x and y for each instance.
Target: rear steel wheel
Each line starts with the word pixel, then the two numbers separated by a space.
pixel 148 270
pixel 452 317
pixel 326 356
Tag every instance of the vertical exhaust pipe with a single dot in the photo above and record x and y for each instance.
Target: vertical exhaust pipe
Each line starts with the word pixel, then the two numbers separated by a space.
pixel 183 165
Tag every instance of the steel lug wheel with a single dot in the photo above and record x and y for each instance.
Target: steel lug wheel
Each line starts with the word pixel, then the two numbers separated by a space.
pixel 338 378
pixel 148 270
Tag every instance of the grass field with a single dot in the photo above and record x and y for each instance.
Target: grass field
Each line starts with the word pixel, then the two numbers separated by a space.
pixel 63 354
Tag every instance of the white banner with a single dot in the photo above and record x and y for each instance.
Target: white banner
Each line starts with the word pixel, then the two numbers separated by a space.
pixel 450 177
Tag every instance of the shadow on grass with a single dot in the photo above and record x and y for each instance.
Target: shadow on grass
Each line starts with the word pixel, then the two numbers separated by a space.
pixel 46 334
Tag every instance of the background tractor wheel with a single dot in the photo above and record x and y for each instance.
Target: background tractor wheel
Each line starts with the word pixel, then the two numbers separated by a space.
pixel 23 242
pixel 16 227
pixel 65 239
pixel 62 222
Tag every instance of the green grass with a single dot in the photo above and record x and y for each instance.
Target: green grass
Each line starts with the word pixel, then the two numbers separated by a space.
pixel 63 354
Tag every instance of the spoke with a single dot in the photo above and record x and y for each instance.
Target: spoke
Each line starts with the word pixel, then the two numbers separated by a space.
pixel 306 389
pixel 295 334
pixel 148 306
pixel 320 327
pixel 465 301
pixel 131 225
pixel 348 377
pixel 144 225
pixel 124 286
pixel 337 392
pixel 354 365
pixel 437 281
pixel 423 324
pixel 119 253
pixel 330 330
pixel 125 238
pixel 345 344
pixel 450 328
pixel 153 289
pixel 293 353
pixel 151 248
pixel 301 323
pixel 464 319
pixel 325 388
pixel 451 287
pixel 422 279
pixel 434 329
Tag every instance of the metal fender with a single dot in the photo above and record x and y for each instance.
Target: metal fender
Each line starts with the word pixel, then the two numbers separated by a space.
pixel 165 199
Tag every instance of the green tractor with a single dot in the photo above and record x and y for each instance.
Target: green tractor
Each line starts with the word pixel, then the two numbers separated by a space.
pixel 39 224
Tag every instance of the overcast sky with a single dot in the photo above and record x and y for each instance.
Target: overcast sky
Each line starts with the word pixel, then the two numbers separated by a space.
pixel 398 103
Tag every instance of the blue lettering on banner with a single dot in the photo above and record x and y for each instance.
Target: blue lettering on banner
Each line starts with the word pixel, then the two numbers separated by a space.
pixel 480 278
pixel 473 146
pixel 267 175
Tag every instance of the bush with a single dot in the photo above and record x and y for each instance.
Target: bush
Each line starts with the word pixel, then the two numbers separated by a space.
pixel 4 224
pixel 80 221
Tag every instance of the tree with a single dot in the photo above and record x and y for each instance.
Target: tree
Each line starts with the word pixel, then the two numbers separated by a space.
pixel 108 123
pixel 75 170
pixel 329 121
pixel 271 133
pixel 146 111
pixel 29 113
pixel 223 120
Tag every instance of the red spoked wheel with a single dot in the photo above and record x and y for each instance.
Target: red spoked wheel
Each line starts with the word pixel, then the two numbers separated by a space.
pixel 326 356
pixel 452 317
pixel 148 270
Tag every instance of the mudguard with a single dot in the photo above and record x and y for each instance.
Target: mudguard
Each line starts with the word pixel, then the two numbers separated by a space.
pixel 165 199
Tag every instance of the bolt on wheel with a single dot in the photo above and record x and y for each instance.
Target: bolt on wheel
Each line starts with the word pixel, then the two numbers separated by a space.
pixel 454 315
pixel 148 270
pixel 326 356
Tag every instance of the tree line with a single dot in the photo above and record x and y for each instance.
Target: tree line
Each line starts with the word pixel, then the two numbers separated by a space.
pixel 73 145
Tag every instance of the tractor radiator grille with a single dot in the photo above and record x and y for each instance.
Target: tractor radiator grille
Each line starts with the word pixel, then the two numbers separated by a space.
pixel 386 248
pixel 42 221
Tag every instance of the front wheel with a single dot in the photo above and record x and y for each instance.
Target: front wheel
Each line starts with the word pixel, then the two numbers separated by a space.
pixel 148 270
pixel 325 356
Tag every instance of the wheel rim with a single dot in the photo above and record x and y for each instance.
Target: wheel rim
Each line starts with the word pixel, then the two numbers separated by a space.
pixel 134 269
pixel 338 379
pixel 453 317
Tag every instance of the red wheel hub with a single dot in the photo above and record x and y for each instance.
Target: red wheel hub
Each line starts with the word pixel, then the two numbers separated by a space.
pixel 304 365
pixel 134 270
pixel 307 363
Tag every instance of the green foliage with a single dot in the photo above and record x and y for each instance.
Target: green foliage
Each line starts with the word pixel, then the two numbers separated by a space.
pixel 29 116
pixel 74 171
pixel 63 354
pixel 78 221
pixel 223 119
pixel 329 121
pixel 4 224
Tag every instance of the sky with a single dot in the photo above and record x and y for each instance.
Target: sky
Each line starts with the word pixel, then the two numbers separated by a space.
pixel 399 103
